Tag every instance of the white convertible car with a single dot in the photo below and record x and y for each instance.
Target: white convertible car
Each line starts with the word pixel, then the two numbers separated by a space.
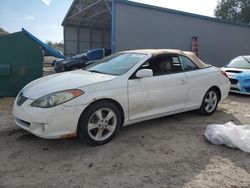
pixel 122 89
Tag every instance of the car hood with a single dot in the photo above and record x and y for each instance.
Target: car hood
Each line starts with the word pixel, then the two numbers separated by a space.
pixel 63 81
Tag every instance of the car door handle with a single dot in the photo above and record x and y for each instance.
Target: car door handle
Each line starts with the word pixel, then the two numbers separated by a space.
pixel 183 82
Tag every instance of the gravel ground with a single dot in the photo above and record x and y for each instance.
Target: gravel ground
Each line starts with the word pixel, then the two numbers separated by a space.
pixel 165 152
pixel 48 70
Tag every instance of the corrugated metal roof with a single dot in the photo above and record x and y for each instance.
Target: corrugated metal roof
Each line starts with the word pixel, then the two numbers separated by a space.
pixel 90 14
pixel 80 10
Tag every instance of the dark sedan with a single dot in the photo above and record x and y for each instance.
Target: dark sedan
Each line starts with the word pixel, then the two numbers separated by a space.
pixel 81 60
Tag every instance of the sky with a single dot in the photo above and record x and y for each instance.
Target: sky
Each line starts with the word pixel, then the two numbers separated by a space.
pixel 43 18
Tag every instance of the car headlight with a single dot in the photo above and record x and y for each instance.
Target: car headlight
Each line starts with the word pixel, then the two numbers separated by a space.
pixel 57 98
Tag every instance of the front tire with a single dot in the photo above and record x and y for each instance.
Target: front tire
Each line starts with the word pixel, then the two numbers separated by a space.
pixel 99 123
pixel 210 102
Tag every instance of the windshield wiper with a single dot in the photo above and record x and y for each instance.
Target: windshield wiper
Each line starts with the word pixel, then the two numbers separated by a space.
pixel 95 71
pixel 246 59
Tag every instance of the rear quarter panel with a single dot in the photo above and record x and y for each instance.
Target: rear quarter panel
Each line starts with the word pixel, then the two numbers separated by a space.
pixel 200 81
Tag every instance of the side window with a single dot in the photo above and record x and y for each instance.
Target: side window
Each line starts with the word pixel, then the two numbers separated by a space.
pixel 176 64
pixel 95 54
pixel 163 64
pixel 187 64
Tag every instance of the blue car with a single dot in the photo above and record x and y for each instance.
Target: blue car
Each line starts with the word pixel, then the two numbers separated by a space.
pixel 238 72
pixel 81 60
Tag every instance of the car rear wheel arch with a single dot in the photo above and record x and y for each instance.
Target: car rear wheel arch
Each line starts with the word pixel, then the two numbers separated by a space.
pixel 217 89
pixel 209 103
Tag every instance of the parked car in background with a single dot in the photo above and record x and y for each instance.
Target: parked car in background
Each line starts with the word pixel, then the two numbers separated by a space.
pixel 79 61
pixel 238 71
pixel 121 89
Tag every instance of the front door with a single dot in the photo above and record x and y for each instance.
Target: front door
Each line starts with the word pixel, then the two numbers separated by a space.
pixel 165 92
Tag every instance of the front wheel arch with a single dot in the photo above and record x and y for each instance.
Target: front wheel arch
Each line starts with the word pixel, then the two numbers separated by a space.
pixel 117 104
pixel 94 136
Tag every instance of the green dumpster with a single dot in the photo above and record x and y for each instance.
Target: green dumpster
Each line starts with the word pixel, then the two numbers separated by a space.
pixel 21 61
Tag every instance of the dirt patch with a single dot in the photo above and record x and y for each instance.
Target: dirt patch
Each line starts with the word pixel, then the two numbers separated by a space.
pixel 165 152
pixel 6 118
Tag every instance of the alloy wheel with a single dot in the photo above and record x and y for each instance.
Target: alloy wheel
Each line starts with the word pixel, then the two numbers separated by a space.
pixel 102 124
pixel 210 102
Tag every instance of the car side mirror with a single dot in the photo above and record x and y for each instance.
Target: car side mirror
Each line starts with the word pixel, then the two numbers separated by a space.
pixel 144 73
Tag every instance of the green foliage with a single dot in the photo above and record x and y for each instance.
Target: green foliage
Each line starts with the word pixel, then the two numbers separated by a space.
pixel 234 10
pixel 2 32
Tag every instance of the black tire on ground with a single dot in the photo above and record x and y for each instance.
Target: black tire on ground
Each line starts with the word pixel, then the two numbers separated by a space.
pixel 87 116
pixel 214 96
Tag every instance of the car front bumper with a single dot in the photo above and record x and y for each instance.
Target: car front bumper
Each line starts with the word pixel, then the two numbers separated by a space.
pixel 50 123
pixel 238 87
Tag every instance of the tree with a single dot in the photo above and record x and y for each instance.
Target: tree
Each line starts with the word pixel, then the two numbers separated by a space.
pixel 50 44
pixel 2 32
pixel 233 10
pixel 57 45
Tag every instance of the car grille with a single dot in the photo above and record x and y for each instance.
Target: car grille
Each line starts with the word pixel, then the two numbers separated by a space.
pixel 23 123
pixel 21 99
pixel 233 81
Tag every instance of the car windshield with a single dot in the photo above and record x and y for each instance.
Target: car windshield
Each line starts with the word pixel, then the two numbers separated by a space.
pixel 242 62
pixel 80 55
pixel 116 64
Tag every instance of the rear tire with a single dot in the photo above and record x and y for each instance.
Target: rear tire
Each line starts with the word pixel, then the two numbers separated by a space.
pixel 210 102
pixel 99 123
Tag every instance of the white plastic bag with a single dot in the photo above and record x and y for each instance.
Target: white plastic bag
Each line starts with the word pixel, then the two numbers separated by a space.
pixel 229 134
